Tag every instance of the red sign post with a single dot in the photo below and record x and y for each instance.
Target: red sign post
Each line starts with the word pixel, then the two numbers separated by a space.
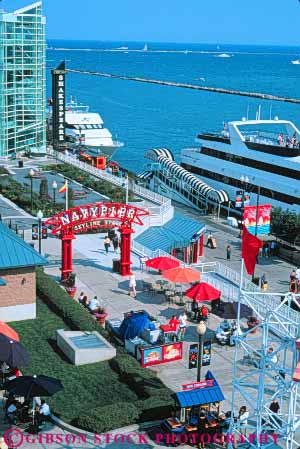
pixel 93 216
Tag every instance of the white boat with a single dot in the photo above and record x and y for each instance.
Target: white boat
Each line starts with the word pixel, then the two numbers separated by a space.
pixel 122 48
pixel 145 47
pixel 296 62
pixel 85 128
pixel 223 55
pixel 265 152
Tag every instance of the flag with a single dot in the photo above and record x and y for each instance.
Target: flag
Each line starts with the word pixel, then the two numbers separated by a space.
pixel 64 187
pixel 250 248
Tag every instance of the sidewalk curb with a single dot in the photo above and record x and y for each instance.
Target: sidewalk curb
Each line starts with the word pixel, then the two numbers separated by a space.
pixel 121 431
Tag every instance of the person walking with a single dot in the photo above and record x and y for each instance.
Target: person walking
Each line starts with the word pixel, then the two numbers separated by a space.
pixel 143 260
pixel 106 244
pixel 182 325
pixel 115 243
pixel 275 407
pixel 228 252
pixel 132 285
pixel 195 309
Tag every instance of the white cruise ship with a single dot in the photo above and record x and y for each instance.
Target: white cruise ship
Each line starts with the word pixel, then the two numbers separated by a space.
pixel 83 127
pixel 253 156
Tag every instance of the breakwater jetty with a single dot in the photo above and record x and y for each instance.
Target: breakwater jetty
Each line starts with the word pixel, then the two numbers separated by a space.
pixel 219 90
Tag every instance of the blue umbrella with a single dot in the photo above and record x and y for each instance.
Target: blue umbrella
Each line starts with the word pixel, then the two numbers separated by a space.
pixel 12 352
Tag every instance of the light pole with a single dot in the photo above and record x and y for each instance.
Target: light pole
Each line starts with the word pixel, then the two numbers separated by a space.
pixel 39 216
pixel 244 181
pixel 31 174
pixel 54 187
pixel 257 206
pixel 201 329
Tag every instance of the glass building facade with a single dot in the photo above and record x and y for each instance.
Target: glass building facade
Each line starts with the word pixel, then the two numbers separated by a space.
pixel 22 81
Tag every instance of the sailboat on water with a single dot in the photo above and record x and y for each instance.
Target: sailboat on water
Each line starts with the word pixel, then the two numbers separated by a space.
pixel 145 47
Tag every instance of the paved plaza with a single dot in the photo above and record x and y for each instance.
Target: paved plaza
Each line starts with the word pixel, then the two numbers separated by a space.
pixel 93 268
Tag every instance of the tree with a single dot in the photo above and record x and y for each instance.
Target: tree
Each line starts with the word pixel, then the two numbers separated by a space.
pixel 44 194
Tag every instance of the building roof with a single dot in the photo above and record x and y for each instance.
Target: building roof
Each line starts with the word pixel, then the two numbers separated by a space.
pixel 15 252
pixel 177 233
pixel 201 396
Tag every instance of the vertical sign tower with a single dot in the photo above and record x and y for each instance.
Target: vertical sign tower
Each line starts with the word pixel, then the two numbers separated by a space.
pixel 59 104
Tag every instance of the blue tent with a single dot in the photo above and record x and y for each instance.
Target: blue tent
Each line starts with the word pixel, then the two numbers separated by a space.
pixel 133 325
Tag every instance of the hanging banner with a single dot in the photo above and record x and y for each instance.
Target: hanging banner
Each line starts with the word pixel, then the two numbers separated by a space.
pixel 193 356
pixel 262 219
pixel 58 104
pixel 35 232
pixel 206 354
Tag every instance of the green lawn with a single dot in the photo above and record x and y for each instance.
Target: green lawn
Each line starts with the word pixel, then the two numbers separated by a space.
pixel 85 387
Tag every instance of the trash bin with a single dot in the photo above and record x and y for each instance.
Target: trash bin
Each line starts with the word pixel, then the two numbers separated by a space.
pixel 116 265
pixel 20 164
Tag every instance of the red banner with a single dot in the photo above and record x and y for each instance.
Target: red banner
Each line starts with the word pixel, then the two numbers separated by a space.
pixel 197 385
pixel 262 220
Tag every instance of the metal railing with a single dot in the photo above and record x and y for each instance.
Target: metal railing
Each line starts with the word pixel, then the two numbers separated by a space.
pixel 101 174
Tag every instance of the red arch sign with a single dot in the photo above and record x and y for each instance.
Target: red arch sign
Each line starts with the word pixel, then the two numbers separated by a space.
pixel 93 216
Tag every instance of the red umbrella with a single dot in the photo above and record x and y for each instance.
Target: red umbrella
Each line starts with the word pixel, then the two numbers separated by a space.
pixel 162 263
pixel 182 275
pixel 203 292
pixel 6 330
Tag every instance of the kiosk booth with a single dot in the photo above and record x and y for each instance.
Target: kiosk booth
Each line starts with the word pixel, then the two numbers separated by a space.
pixel 198 408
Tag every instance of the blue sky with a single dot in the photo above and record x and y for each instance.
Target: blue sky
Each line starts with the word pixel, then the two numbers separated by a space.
pixel 215 21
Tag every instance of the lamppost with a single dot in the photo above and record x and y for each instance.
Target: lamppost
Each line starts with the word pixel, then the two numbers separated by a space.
pixel 31 174
pixel 39 216
pixel 201 329
pixel 54 187
pixel 244 181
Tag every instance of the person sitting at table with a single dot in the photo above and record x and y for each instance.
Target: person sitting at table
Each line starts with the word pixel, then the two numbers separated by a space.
pixel 12 406
pixel 202 427
pixel 85 301
pixel 203 313
pixel 94 303
pixel 44 412
pixel 174 322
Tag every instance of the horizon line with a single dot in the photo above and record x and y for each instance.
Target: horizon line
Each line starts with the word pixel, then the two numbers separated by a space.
pixel 170 42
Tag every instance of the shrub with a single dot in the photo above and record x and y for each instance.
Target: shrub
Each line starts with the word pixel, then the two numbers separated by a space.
pixel 142 381
pixel 156 408
pixel 60 302
pixel 103 419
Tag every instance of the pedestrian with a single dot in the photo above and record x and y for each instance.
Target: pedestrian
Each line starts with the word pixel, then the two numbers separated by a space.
pixel 182 325
pixel 293 276
pixel 143 260
pixel 106 244
pixel 115 243
pixel 132 285
pixel 243 419
pixel 275 407
pixel 293 286
pixel 209 240
pixel 195 309
pixel 228 252
pixel 263 280
pixel 297 274
pixel 266 250
pixel 273 248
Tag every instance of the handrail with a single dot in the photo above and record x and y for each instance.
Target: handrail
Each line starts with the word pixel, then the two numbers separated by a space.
pixel 138 190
